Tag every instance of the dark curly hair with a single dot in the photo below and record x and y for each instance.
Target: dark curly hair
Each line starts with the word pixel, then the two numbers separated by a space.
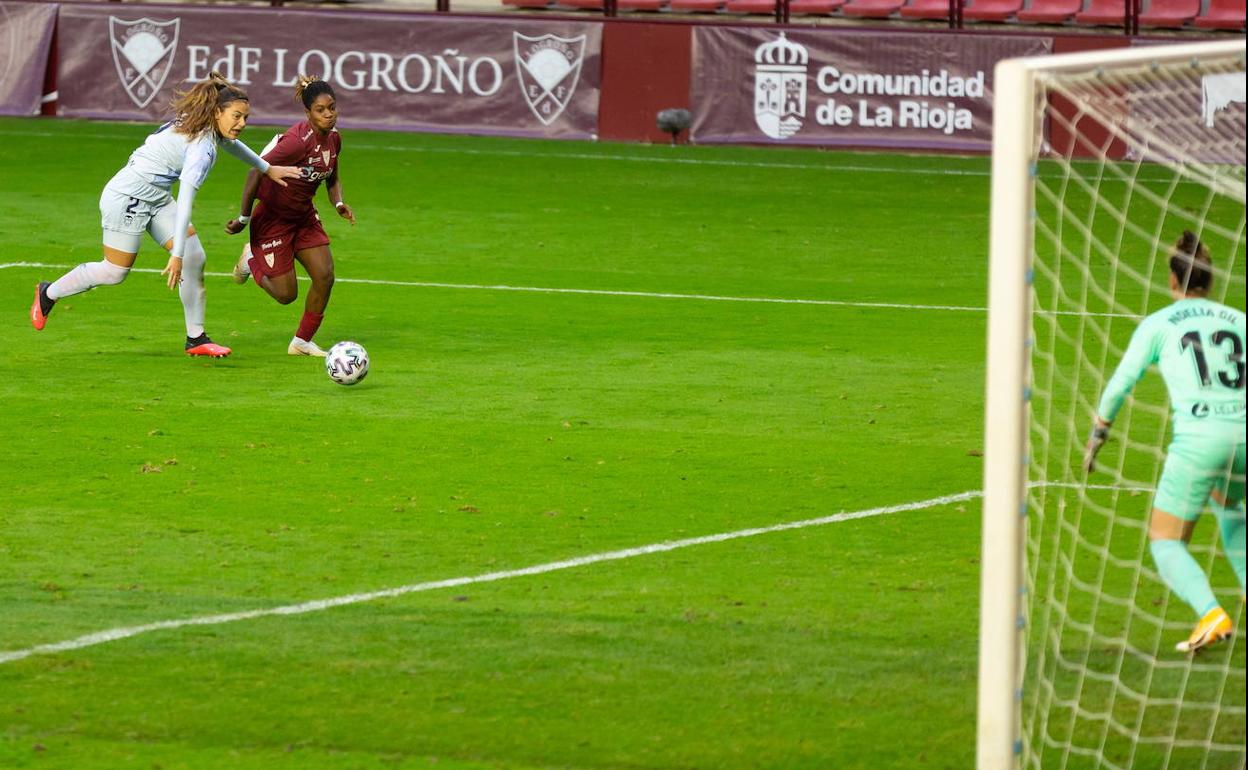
pixel 309 87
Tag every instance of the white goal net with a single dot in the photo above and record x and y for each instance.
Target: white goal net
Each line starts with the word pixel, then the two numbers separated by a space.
pixel 1101 162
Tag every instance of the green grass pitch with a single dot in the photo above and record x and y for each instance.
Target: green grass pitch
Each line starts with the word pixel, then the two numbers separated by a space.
pixel 499 430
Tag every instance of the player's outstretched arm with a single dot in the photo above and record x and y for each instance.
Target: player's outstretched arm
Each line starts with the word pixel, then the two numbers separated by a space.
pixel 250 186
pixel 193 174
pixel 244 153
pixel 1142 351
pixel 280 174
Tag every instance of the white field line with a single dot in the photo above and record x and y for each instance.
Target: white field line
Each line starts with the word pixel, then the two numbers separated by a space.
pixel 908 170
pixel 116 634
pixel 592 292
pixel 655 159
pixel 1109 487
pixel 612 293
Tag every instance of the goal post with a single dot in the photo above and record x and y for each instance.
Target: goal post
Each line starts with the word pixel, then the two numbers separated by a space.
pixel 1005 435
pixel 1099 161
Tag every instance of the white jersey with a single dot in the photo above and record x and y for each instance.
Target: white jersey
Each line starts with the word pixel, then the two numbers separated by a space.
pixel 164 158
pixel 168 156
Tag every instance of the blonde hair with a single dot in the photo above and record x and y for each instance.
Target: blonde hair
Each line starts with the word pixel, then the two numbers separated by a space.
pixel 195 110
pixel 308 87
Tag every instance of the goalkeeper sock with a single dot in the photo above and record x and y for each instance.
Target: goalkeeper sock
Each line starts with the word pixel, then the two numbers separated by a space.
pixel 1183 575
pixel 1231 521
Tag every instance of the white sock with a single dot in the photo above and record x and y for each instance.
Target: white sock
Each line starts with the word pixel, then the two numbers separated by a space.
pixel 86 277
pixel 191 290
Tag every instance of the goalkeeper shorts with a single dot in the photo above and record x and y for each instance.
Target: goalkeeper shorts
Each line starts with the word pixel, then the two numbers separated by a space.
pixel 1195 467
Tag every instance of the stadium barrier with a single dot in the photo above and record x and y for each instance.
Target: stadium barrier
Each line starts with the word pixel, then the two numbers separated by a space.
pixel 530 76
pixel 518 77
pixel 25 40
pixel 1127 14
pixel 866 90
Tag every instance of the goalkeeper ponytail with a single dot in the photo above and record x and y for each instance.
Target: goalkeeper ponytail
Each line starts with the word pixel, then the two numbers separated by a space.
pixel 1191 264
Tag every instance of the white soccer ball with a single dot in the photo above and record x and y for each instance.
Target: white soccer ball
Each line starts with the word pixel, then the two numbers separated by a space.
pixel 347 363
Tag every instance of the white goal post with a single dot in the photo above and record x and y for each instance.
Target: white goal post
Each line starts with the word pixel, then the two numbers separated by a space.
pixel 1150 140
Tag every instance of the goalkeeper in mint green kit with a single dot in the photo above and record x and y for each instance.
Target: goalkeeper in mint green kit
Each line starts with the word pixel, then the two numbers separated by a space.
pixel 1198 345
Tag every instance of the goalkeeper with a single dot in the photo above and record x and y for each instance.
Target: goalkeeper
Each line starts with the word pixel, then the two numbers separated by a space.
pixel 1198 345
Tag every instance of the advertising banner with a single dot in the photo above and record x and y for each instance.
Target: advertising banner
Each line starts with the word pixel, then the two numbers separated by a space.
pixel 866 89
pixel 397 71
pixel 25 35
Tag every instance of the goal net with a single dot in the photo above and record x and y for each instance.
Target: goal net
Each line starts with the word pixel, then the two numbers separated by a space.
pixel 1100 162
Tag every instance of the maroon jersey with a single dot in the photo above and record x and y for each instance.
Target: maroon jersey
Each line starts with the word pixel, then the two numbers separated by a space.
pixel 317 158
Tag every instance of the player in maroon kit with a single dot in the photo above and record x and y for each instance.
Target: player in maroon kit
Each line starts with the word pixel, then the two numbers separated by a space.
pixel 284 224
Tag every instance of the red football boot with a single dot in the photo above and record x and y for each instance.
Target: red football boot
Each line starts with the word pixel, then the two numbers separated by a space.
pixel 41 307
pixel 202 346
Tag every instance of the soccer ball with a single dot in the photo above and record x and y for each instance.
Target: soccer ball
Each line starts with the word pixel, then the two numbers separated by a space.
pixel 347 363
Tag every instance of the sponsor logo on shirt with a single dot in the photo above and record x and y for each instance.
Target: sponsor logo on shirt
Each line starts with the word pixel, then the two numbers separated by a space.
pixel 273 244
pixel 308 174
pixel 1229 410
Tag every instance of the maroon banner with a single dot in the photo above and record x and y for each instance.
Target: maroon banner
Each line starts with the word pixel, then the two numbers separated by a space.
pixel 25 35
pixel 484 76
pixel 841 87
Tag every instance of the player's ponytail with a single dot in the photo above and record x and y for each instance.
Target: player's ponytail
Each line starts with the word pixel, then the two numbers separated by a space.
pixel 195 110
pixel 309 87
pixel 1191 264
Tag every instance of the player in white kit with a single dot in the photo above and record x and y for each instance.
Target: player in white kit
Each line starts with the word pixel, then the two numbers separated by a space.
pixel 138 198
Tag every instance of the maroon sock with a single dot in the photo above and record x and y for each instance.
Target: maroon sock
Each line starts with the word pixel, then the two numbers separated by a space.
pixel 308 325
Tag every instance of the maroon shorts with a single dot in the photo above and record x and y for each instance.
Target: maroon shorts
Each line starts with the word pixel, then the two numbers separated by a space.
pixel 274 241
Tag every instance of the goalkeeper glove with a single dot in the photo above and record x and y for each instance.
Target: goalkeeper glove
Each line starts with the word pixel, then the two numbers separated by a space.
pixel 1100 432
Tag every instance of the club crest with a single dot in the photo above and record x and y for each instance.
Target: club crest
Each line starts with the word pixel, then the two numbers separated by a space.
pixel 780 87
pixel 143 53
pixel 549 68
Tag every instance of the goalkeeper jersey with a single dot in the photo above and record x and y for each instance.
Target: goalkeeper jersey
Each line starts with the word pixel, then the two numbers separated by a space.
pixel 1198 345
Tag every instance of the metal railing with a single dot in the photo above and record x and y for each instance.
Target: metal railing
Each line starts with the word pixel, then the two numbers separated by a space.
pixel 782 13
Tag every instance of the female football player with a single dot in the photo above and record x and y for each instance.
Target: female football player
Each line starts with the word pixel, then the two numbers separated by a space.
pixel 210 115
pixel 1198 345
pixel 284 224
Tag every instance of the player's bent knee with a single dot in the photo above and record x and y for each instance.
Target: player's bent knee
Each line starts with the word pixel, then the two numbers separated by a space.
pixel 1166 526
pixel 284 294
pixel 110 274
pixel 194 249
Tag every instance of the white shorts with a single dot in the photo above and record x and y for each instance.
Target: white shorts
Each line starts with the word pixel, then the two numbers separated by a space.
pixel 124 220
